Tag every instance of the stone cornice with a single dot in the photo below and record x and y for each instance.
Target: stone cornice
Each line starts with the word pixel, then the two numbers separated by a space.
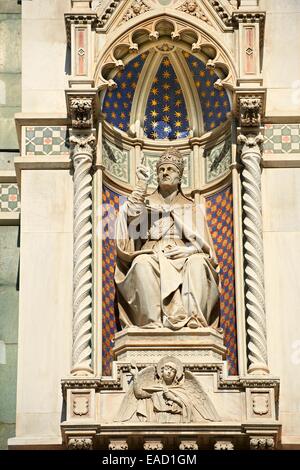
pixel 79 18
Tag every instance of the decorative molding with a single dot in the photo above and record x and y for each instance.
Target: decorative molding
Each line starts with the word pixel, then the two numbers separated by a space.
pixel 225 16
pixel 81 112
pixel 107 14
pixel 223 445
pixel 79 19
pixel 82 276
pixel 80 443
pixel 253 253
pixel 262 443
pixel 138 7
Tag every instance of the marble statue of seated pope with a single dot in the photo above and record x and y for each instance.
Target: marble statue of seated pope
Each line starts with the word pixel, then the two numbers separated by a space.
pixel 166 272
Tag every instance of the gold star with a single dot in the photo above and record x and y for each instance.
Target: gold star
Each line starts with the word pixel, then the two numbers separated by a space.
pixel 109 94
pixel 210 114
pixel 106 104
pixel 207 104
pixel 166 86
pixel 217 104
pixel 136 65
pixel 119 95
pixel 202 73
pixel 203 93
pixel 122 115
pixel 123 85
pixel 219 115
pixel 154 113
pixel 166 62
pixel 166 74
pixel 178 103
pixel 194 64
pixel 225 103
pixel 143 56
pixel 116 105
pixel 166 98
pixel 166 118
pixel 133 85
pixel 177 114
pixel 208 83
pixel 178 92
pixel 154 91
pixel 129 74
pixel 178 124
pixel 121 125
pixel 154 124
pixel 125 105
pixel 198 83
pixel 154 135
pixel 113 115
pixel 212 93
pixel 154 102
pixel 186 54
pixel 155 80
pixel 212 125
pixel 129 95
pixel 166 108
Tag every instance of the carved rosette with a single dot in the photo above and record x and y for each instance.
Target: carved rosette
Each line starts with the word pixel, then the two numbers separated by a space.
pixel 82 275
pixel 253 252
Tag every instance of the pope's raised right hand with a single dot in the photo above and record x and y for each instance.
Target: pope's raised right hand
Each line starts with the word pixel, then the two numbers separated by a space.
pixel 143 173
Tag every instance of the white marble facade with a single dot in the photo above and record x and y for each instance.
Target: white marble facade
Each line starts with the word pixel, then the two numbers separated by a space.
pixel 46 186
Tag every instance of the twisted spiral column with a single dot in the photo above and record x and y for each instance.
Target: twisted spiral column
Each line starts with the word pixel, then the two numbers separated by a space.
pixel 82 255
pixel 253 252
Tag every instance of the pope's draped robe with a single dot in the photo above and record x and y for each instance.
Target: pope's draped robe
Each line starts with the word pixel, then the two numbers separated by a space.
pixel 154 290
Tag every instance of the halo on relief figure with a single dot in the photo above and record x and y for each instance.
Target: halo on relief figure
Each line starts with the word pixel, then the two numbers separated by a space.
pixel 166 360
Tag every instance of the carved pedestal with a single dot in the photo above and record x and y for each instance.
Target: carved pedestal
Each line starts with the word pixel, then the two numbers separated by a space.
pixel 203 345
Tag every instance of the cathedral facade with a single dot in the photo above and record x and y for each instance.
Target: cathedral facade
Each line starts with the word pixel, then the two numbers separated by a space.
pixel 91 92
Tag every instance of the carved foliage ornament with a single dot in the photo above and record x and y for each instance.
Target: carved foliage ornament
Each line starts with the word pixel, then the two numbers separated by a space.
pixel 192 8
pixel 80 443
pixel 260 404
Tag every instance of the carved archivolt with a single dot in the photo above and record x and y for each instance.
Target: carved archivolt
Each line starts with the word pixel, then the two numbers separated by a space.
pixel 161 31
